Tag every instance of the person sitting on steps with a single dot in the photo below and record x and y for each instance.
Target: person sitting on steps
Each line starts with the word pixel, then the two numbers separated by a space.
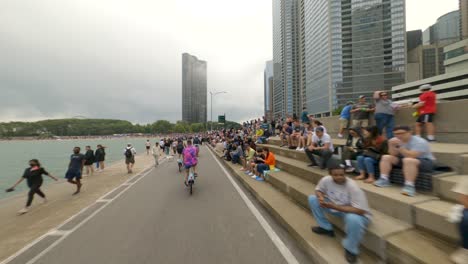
pixel 340 196
pixel 352 149
pixel 322 146
pixel 412 153
pixel 375 146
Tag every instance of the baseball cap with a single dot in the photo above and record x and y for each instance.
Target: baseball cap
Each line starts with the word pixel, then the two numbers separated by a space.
pixel 349 103
pixel 425 87
pixel 362 96
pixel 319 129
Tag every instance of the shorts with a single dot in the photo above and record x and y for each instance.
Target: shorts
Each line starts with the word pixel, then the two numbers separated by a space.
pixel 147 147
pixel 187 167
pixel 360 123
pixel 425 165
pixel 425 118
pixel 344 122
pixel 73 174
pixel 179 151
pixel 130 160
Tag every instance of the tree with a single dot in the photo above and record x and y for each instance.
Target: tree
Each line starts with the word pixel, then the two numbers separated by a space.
pixel 161 126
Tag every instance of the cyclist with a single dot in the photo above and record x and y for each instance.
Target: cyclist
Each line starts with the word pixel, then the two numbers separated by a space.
pixel 190 159
pixel 196 142
pixel 180 147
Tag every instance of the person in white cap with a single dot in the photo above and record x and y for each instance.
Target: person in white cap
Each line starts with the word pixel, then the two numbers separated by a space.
pixel 427 109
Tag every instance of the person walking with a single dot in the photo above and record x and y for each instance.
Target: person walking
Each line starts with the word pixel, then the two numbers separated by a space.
pixel 130 153
pixel 148 147
pixel 89 160
pixel 75 169
pixel 100 157
pixel 427 109
pixel 33 176
pixel 384 113
pixel 345 116
pixel 155 151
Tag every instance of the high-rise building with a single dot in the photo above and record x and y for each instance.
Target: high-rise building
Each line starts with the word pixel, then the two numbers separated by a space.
pixel 463 19
pixel 352 48
pixel 445 31
pixel 268 89
pixel 194 89
pixel 287 64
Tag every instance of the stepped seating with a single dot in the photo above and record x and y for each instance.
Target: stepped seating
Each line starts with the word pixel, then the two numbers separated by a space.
pixel 404 229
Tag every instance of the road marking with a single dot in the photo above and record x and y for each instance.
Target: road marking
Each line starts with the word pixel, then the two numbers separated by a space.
pixel 283 249
pixel 64 234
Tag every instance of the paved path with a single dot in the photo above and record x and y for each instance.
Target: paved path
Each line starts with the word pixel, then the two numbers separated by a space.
pixel 155 220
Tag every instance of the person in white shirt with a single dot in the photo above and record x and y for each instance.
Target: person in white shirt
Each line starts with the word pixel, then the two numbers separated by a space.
pixel 339 196
pixel 322 146
pixel 156 152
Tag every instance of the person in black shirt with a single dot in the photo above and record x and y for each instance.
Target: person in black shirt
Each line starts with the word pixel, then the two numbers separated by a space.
pixel 89 160
pixel 33 176
pixel 75 168
pixel 100 157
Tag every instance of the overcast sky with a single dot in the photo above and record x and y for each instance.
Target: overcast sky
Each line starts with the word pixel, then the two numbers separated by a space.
pixel 122 58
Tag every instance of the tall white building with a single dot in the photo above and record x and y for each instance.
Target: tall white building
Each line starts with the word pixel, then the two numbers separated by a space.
pixel 268 89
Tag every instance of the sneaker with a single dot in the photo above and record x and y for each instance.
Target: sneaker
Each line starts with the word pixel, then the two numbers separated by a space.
pixel 259 179
pixel 253 176
pixel 408 190
pixel 247 172
pixel 340 135
pixel 350 257
pixel 460 256
pixel 23 211
pixel 382 183
pixel 298 148
pixel 322 231
pixel 301 149
pixel 350 169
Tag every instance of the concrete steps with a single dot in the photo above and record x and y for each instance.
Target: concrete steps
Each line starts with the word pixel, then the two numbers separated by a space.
pixel 388 201
pixel 297 221
pixel 443 186
pixel 379 230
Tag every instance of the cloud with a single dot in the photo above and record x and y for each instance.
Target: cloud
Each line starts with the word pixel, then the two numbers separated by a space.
pixel 122 59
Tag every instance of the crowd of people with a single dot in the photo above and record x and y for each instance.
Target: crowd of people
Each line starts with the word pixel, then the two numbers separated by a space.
pixel 375 149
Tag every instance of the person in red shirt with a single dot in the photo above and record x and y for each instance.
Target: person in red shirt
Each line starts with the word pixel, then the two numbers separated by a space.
pixel 427 109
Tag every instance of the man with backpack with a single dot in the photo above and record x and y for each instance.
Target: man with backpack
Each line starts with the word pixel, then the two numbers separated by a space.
pixel 129 153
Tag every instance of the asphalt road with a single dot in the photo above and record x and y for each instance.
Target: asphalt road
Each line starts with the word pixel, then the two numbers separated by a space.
pixel 157 221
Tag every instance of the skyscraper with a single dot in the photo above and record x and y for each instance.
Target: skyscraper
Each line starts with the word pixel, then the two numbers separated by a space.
pixel 194 89
pixel 287 65
pixel 463 19
pixel 268 89
pixel 352 48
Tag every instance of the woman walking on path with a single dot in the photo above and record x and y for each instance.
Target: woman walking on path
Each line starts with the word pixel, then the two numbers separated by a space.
pixel 33 176
pixel 384 113
pixel 90 159
pixel 155 151
pixel 100 157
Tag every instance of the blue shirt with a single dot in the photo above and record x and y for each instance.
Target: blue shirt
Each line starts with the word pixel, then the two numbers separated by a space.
pixel 346 112
pixel 420 145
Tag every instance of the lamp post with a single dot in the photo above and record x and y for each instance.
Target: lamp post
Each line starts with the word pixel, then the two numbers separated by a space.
pixel 213 93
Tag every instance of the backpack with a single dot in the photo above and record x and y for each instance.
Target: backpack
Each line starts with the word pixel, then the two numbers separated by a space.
pixel 128 153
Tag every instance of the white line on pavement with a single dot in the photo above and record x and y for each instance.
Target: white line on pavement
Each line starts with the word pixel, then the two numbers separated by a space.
pixel 56 232
pixel 283 249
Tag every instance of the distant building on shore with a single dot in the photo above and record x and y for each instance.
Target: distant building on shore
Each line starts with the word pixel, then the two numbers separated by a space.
pixel 194 89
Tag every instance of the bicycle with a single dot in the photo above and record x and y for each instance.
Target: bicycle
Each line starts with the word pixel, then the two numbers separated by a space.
pixel 180 164
pixel 191 180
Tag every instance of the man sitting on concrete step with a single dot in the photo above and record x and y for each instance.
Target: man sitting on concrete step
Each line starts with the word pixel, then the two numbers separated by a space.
pixel 410 152
pixel 322 146
pixel 341 197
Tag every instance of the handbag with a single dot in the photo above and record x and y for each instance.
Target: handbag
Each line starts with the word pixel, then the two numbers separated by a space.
pixel 372 153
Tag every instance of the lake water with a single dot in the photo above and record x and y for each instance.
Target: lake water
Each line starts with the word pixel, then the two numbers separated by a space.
pixel 54 156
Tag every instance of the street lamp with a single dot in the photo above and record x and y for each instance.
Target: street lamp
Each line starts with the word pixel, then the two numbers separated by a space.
pixel 213 93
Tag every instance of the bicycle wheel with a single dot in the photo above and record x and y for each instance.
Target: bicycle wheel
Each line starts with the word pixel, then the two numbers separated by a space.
pixel 180 167
pixel 191 187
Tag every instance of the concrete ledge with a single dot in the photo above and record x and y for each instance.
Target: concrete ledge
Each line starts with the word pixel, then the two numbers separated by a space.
pixel 381 227
pixel 443 186
pixel 432 216
pixel 297 221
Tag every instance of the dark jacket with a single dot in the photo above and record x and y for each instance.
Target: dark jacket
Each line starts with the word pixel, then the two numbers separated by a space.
pixel 100 154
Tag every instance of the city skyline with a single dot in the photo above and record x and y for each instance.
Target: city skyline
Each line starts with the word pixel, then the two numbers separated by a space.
pixel 194 89
pixel 70 58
